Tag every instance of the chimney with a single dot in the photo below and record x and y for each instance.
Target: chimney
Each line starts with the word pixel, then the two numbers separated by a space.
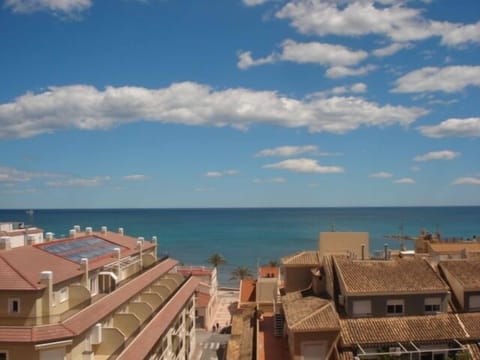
pixel 72 233
pixel 30 240
pixel 88 230
pixel 385 251
pixel 155 242
pixel 46 278
pixel 84 269
pixel 77 228
pixel 48 236
pixel 120 231
pixel 118 256
pixel 363 251
pixel 103 229
pixel 140 246
pixel 5 243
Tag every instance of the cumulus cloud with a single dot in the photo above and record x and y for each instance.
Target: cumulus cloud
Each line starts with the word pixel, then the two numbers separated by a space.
pixel 391 49
pixel 303 53
pixel 80 182
pixel 437 155
pixel 469 127
pixel 136 177
pixel 8 174
pixel 467 181
pixel 391 19
pixel 356 88
pixel 287 151
pixel 87 108
pixel 336 72
pixel 447 79
pixel 254 2
pixel 381 174
pixel 69 8
pixel 270 180
pixel 304 166
pixel 405 181
pixel 214 174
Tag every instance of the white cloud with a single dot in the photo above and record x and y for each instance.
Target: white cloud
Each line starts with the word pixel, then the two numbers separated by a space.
pixel 287 151
pixel 467 181
pixel 341 71
pixel 391 49
pixel 304 166
pixel 80 182
pixel 59 7
pixel 254 2
pixel 199 189
pixel 381 174
pixel 304 53
pixel 214 174
pixel 354 18
pixel 8 174
pixel 447 79
pixel 338 90
pixel 136 177
pixel 270 180
pixel 415 168
pixel 437 155
pixel 469 127
pixel 405 181
pixel 86 108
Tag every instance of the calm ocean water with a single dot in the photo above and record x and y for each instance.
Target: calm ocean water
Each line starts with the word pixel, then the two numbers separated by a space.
pixel 247 237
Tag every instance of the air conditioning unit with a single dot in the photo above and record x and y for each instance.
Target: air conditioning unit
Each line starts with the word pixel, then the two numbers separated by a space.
pixel 341 300
pixel 96 334
pixel 395 350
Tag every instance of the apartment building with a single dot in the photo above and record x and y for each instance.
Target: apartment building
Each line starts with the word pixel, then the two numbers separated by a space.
pixel 15 234
pixel 94 295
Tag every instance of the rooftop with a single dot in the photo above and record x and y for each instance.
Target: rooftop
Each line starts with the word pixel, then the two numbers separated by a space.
pixel 302 258
pixel 454 247
pixel 467 272
pixel 309 313
pixel 401 329
pixel 407 275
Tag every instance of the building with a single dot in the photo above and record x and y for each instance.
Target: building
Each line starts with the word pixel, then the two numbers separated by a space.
pixel 94 295
pixel 15 234
pixel 206 293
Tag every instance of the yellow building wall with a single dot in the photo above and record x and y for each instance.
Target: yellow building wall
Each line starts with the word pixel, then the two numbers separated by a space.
pixel 342 242
pixel 20 351
pixel 28 307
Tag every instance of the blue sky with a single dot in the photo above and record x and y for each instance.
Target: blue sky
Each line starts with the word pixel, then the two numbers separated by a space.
pixel 239 103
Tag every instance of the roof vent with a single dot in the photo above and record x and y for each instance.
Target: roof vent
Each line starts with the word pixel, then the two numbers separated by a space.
pixel 120 231
pixel 73 233
pixel 77 228
pixel 104 229
pixel 154 239
pixel 88 230
pixel 31 240
pixel 48 236
pixel 5 243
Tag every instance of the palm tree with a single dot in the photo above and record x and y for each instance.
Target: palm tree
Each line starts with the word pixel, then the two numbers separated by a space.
pixel 240 273
pixel 216 260
pixel 273 263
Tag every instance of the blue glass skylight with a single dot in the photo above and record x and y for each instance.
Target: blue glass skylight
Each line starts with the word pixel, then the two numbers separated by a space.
pixel 76 249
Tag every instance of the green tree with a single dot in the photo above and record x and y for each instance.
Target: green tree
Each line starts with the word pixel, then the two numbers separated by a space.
pixel 216 260
pixel 273 263
pixel 240 273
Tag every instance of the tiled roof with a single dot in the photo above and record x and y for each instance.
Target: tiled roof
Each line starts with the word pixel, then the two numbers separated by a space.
pixel 247 290
pixel 454 247
pixel 309 313
pixel 302 258
pixel 202 299
pixel 471 321
pixel 345 355
pixel 149 336
pixel 467 272
pixel 265 271
pixel 401 329
pixel 97 311
pixel 408 275
pixel 28 334
pixel 24 264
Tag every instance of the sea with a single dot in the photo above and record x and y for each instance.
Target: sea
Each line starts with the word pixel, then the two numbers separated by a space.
pixel 255 236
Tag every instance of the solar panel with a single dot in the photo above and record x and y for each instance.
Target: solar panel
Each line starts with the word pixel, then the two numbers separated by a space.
pixel 76 249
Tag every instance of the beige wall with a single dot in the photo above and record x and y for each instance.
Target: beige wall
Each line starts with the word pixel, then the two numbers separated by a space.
pixel 341 242
pixel 19 351
pixel 28 307
pixel 297 278
pixel 456 287
pixel 298 338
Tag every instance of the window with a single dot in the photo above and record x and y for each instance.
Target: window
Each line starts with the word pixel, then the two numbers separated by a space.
pixel 63 294
pixel 13 306
pixel 395 307
pixel 432 305
pixel 3 355
pixel 362 308
pixel 94 285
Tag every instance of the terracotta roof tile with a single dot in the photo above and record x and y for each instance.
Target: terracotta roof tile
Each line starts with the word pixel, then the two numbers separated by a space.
pixel 471 321
pixel 202 299
pixel 467 272
pixel 247 290
pixel 401 329
pixel 309 313
pixel 408 275
pixel 148 337
pixel 28 334
pixel 302 258
pixel 454 247
pixel 15 334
